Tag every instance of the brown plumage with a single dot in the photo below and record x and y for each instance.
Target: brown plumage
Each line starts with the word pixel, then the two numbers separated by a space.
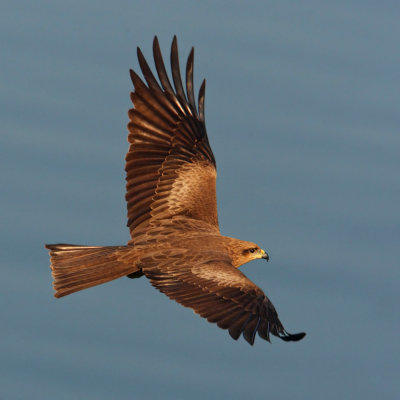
pixel 172 215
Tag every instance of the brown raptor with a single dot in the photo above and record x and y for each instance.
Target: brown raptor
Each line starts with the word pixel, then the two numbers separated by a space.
pixel 172 214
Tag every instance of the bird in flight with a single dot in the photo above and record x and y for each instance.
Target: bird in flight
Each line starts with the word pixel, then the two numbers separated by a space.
pixel 172 214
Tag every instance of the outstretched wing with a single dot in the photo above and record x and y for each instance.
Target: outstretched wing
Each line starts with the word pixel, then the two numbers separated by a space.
pixel 217 291
pixel 170 166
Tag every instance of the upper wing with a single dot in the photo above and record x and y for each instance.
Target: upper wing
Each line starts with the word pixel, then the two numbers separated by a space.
pixel 170 165
pixel 217 291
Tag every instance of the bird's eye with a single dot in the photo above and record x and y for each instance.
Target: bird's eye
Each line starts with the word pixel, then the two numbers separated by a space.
pixel 252 250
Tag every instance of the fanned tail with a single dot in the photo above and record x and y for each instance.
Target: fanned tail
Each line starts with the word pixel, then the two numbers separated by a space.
pixel 77 267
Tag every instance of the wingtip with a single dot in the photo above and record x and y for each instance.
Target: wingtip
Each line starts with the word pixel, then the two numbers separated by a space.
pixel 292 337
pixel 135 78
pixel 175 70
pixel 202 89
pixel 190 59
pixel 155 41
pixel 174 45
pixel 200 101
pixel 156 46
pixel 250 340
pixel 189 80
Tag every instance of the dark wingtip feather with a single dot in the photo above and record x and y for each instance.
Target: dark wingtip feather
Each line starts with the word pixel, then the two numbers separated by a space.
pixel 249 337
pixel 295 337
pixel 250 329
pixel 189 80
pixel 137 82
pixel 201 100
pixel 160 67
pixel 133 76
pixel 148 75
pixel 234 333
pixel 139 54
pixel 176 72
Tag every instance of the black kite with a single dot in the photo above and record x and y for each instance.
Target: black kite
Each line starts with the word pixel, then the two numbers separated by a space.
pixel 172 215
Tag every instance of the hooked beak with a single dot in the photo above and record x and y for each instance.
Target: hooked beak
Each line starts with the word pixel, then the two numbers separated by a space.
pixel 265 255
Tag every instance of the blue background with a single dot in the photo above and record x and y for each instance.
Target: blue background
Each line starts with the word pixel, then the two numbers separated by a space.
pixel 302 110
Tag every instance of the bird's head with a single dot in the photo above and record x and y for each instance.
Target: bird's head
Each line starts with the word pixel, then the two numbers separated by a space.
pixel 246 251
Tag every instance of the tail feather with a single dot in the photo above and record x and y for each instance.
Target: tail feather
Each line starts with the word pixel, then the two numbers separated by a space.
pixel 77 267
